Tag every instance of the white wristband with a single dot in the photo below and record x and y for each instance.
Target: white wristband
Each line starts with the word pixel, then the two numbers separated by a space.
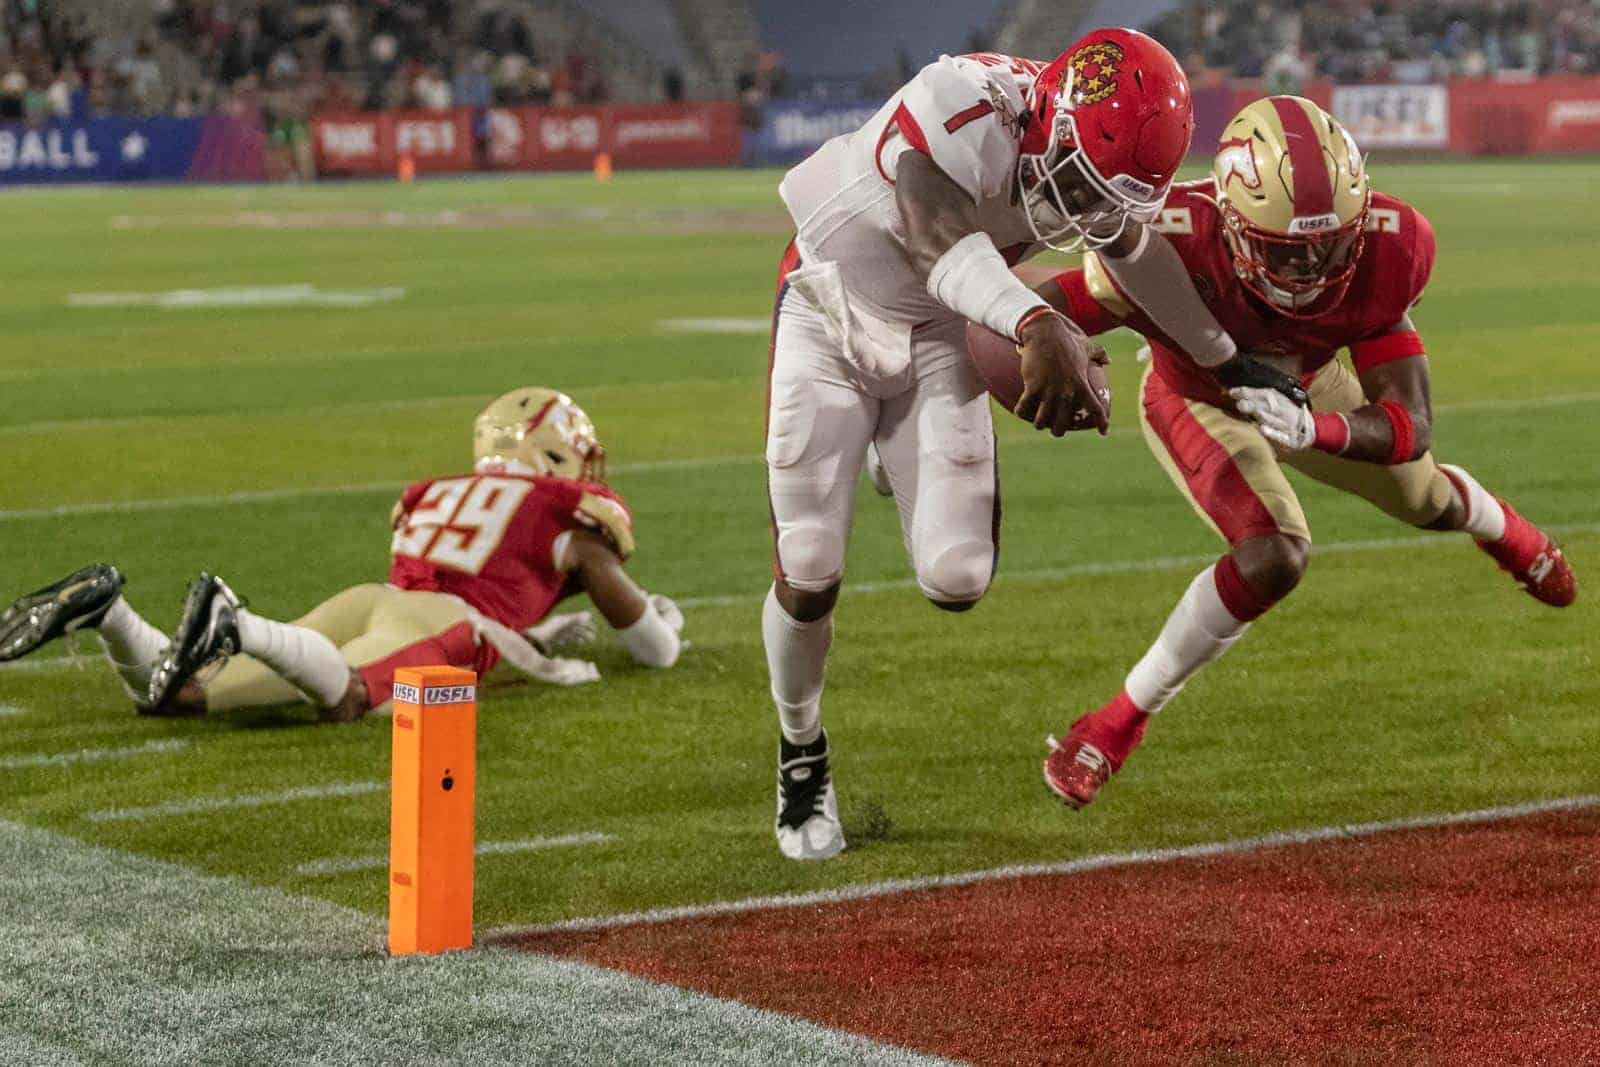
pixel 973 280
pixel 651 640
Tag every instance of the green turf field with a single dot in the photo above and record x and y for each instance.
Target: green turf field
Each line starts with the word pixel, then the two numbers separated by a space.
pixel 1406 675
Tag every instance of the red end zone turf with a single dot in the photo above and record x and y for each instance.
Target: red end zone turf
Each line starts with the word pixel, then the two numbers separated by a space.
pixel 1470 945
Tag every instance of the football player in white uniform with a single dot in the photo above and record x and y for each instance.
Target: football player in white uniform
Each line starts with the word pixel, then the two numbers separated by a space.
pixel 905 229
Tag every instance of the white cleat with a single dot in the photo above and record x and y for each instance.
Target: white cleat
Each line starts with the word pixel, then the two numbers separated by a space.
pixel 808 813
pixel 876 471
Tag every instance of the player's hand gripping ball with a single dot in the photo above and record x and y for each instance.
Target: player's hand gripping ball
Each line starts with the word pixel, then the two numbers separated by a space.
pixel 1000 367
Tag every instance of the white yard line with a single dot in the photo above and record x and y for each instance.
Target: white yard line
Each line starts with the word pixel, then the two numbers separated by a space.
pixel 109 957
pixel 114 507
pixel 374 861
pixel 469 400
pixel 1005 577
pixel 90 755
pixel 1100 861
pixel 755 326
pixel 258 496
pixel 1138 566
pixel 205 805
pixel 8 711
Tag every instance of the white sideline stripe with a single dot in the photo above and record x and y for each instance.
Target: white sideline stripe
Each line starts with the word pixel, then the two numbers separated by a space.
pixel 9 710
pixel 347 864
pixel 1138 566
pixel 117 507
pixel 1137 857
pixel 1038 574
pixel 90 755
pixel 253 800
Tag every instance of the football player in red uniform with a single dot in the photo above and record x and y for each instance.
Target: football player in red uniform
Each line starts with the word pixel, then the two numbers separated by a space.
pixel 905 229
pixel 479 561
pixel 1297 259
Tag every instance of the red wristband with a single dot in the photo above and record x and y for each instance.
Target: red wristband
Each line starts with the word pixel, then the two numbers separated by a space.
pixel 1333 432
pixel 1405 433
pixel 1031 316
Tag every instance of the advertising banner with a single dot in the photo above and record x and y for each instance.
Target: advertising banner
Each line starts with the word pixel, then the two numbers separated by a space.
pixel 674 135
pixel 374 142
pixel 131 150
pixel 1551 115
pixel 1394 116
pixel 791 131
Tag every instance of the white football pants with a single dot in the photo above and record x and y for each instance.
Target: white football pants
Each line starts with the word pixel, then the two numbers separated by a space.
pixel 936 439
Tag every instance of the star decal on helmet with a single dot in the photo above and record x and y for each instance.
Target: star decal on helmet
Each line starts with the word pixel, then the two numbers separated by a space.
pixel 1094 72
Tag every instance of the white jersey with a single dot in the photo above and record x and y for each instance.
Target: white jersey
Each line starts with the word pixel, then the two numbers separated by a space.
pixel 965 113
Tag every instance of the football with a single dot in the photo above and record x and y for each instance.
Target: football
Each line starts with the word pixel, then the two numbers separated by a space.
pixel 1000 367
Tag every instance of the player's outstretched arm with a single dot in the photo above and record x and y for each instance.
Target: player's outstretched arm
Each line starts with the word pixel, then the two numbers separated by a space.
pixel 967 274
pixel 648 624
pixel 1151 274
pixel 1395 427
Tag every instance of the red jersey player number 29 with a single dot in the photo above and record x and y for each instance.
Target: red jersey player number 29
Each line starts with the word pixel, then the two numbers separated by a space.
pixel 459 522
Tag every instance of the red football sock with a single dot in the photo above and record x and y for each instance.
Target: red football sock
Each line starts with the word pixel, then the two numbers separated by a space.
pixel 1115 729
pixel 1522 541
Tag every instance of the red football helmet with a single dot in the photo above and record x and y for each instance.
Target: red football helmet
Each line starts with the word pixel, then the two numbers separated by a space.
pixel 1111 114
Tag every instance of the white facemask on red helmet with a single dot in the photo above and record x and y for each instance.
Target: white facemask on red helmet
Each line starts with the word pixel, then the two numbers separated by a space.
pixel 1109 122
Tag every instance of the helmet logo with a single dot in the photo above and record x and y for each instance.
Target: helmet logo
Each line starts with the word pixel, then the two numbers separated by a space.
pixel 1354 152
pixel 1132 187
pixel 1315 223
pixel 1094 72
pixel 1237 159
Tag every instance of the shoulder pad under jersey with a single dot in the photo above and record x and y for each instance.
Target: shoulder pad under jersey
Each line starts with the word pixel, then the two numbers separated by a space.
pixel 608 517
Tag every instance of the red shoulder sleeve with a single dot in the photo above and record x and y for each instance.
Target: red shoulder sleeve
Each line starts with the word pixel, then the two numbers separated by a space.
pixel 1422 253
pixel 1413 267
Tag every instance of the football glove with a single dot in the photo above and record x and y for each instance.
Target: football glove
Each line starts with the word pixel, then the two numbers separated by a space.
pixel 1243 372
pixel 560 631
pixel 670 613
pixel 1281 421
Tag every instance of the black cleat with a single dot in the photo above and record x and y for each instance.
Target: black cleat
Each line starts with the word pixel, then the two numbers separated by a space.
pixel 77 602
pixel 808 813
pixel 207 631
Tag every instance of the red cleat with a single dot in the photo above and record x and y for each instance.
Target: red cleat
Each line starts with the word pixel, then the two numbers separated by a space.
pixel 1075 770
pixel 1529 555
pixel 1094 750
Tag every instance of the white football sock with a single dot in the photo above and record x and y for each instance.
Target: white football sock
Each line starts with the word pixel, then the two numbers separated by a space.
pixel 797 652
pixel 133 646
pixel 1486 519
pixel 306 659
pixel 1199 630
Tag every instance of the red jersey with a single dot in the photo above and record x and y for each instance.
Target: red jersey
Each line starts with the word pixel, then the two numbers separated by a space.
pixel 1396 259
pixel 490 539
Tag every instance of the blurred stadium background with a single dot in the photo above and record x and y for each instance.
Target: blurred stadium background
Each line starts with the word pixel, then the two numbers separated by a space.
pixel 299 89
pixel 219 350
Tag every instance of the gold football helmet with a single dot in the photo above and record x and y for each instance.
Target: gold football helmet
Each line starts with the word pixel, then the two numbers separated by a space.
pixel 538 431
pixel 1294 195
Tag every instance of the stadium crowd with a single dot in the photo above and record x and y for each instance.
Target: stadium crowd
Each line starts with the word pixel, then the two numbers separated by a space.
pixel 288 58
pixel 291 58
pixel 1359 41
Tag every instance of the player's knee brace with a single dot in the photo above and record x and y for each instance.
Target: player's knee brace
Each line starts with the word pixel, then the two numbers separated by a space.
pixel 811 556
pixel 957 576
